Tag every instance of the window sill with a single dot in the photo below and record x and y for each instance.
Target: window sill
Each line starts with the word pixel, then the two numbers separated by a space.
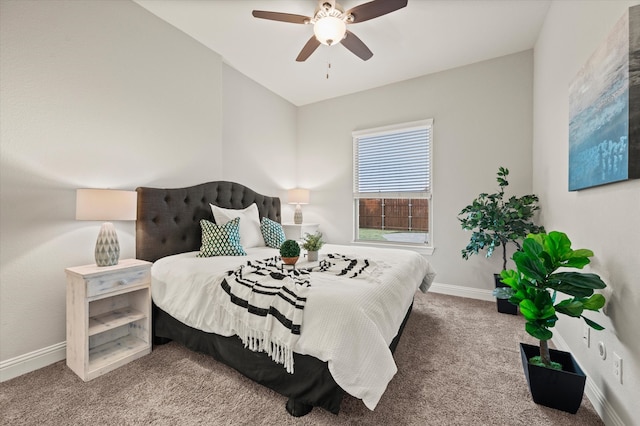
pixel 418 248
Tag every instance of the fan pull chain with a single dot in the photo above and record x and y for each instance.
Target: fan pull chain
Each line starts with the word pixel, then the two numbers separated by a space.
pixel 328 69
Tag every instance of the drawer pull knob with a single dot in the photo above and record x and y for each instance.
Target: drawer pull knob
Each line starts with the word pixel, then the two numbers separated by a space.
pixel 122 282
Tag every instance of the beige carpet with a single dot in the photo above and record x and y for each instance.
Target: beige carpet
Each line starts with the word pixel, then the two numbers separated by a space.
pixel 458 362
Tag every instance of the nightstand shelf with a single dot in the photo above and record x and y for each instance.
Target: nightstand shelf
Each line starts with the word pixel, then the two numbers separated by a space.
pixel 113 354
pixel 110 320
pixel 108 316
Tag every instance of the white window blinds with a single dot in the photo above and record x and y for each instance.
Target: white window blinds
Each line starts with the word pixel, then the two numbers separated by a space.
pixel 393 162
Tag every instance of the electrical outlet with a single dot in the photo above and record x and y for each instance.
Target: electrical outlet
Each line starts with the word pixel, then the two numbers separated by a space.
pixel 617 367
pixel 586 334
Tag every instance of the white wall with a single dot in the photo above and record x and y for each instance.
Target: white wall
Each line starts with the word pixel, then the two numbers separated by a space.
pixel 104 94
pixel 482 120
pixel 604 219
pixel 259 133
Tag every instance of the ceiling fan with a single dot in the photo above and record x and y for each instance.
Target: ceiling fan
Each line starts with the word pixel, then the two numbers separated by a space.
pixel 330 24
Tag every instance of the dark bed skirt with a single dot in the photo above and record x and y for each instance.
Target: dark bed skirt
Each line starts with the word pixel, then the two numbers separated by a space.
pixel 311 384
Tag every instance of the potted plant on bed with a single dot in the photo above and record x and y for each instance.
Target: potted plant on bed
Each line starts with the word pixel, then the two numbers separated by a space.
pixel 312 244
pixel 555 379
pixel 289 252
pixel 496 222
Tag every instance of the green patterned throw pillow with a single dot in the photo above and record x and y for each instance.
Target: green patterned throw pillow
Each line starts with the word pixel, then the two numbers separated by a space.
pixel 221 240
pixel 272 233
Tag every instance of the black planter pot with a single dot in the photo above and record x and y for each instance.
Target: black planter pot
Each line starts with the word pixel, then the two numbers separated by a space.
pixel 504 306
pixel 557 389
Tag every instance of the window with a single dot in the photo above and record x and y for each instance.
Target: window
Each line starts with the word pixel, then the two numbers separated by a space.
pixel 392 184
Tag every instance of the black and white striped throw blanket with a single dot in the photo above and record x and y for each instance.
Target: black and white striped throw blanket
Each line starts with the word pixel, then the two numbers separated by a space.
pixel 267 300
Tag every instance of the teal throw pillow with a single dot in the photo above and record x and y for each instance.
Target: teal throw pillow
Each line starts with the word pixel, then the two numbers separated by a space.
pixel 272 233
pixel 221 240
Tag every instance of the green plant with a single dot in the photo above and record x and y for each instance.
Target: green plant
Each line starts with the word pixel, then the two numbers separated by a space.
pixel 313 242
pixel 495 222
pixel 535 282
pixel 290 248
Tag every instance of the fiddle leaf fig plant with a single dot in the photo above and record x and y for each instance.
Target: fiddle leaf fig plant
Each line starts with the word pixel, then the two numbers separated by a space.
pixel 535 282
pixel 496 222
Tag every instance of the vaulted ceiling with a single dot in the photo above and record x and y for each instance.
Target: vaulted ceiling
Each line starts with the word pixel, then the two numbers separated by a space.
pixel 424 37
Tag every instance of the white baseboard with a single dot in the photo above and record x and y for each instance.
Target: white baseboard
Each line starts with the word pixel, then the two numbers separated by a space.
pixel 597 398
pixel 32 361
pixel 457 290
pixel 607 413
pixel 35 360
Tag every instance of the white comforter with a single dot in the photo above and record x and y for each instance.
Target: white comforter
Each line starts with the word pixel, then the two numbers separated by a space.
pixel 349 323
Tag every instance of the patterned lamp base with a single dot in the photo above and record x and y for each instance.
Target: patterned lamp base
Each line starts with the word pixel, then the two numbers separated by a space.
pixel 297 215
pixel 107 246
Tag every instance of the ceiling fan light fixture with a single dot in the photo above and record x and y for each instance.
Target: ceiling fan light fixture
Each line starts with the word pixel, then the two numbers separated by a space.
pixel 330 24
pixel 329 30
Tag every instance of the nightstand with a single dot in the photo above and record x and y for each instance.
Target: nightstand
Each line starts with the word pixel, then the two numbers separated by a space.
pixel 108 316
pixel 297 232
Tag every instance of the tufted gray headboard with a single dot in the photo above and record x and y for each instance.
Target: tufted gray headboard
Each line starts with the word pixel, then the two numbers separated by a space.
pixel 168 220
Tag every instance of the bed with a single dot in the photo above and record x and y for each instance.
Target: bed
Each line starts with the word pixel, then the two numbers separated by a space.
pixel 169 233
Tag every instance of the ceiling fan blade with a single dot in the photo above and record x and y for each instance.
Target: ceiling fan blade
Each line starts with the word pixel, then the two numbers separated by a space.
pixel 374 8
pixel 283 17
pixel 308 49
pixel 356 46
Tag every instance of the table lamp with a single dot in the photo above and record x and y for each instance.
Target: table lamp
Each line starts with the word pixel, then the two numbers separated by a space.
pixel 298 196
pixel 106 204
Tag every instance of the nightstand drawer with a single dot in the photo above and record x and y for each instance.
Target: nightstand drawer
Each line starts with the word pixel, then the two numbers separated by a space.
pixel 117 281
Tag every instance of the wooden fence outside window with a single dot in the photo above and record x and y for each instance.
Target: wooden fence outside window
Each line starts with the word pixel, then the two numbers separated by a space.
pixel 394 214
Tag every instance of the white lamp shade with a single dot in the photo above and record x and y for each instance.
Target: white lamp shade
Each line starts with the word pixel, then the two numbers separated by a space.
pixel 106 204
pixel 298 196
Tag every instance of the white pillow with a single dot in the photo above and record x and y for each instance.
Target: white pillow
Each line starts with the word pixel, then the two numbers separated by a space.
pixel 250 234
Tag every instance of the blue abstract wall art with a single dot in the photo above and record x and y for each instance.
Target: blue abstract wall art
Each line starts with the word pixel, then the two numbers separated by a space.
pixel 604 110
